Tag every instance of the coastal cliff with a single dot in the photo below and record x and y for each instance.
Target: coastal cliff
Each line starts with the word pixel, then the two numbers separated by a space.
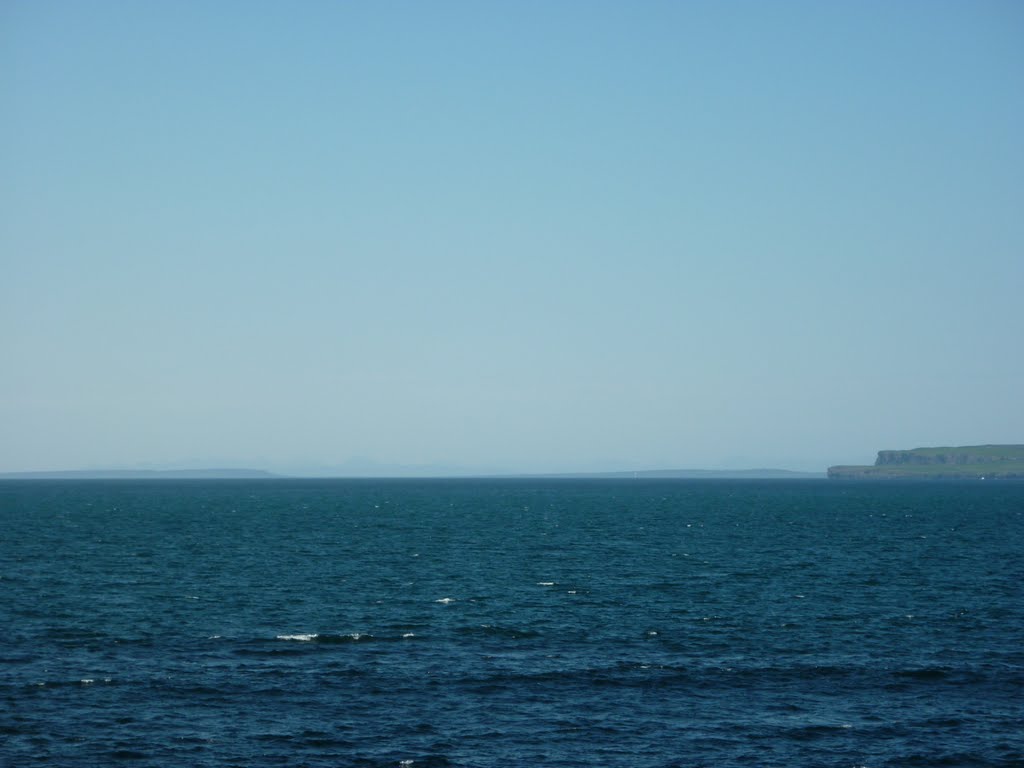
pixel 964 462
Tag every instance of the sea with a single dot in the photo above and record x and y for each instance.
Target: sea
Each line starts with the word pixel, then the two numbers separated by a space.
pixel 511 622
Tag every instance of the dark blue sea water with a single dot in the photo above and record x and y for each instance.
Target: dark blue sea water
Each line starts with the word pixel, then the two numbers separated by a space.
pixel 511 623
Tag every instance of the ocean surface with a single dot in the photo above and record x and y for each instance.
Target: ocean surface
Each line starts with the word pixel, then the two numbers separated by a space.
pixel 486 623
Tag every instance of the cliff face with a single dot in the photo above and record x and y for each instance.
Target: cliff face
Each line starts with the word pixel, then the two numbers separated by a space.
pixel 965 462
pixel 975 454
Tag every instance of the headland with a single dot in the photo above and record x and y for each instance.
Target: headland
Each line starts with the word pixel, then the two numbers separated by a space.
pixel 967 462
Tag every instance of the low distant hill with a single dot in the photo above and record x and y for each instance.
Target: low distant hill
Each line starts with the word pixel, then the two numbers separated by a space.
pixel 696 474
pixel 141 474
pixel 995 462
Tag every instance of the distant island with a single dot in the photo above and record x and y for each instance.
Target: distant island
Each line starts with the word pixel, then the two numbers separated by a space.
pixel 967 462
pixel 689 474
pixel 258 474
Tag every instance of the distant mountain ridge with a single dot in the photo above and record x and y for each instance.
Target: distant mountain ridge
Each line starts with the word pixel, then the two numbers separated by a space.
pixel 256 474
pixel 141 474
pixel 962 462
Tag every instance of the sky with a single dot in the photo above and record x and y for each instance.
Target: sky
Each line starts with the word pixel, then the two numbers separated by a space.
pixel 510 236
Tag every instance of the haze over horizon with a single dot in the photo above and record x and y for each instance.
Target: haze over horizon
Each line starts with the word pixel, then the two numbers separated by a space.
pixel 523 237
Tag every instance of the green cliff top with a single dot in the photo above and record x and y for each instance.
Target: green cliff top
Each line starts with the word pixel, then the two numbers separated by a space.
pixel 947 462
pixel 991 451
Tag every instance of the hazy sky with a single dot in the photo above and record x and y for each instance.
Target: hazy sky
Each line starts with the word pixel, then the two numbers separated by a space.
pixel 514 235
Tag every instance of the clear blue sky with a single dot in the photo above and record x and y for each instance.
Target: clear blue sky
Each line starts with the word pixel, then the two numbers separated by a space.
pixel 528 235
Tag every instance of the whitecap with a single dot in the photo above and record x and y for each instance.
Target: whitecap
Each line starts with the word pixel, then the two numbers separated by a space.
pixel 445 600
pixel 87 681
pixel 545 583
pixel 304 638
pixel 408 634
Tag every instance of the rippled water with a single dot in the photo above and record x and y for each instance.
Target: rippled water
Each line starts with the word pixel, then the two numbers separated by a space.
pixel 508 623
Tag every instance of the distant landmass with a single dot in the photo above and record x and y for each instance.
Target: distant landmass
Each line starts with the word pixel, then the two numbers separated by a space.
pixel 376 471
pixel 695 474
pixel 141 474
pixel 996 462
